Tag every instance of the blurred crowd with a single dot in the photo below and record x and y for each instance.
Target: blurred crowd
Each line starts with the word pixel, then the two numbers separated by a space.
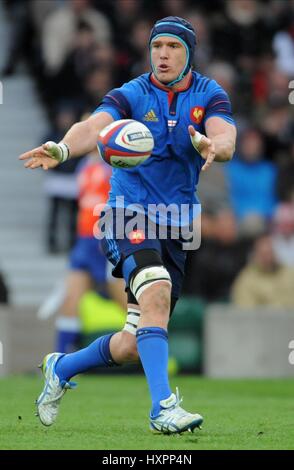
pixel 77 50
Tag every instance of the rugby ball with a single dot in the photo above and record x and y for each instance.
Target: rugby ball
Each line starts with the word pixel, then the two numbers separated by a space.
pixel 125 143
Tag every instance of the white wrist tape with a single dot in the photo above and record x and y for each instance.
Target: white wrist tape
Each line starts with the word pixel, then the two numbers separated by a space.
pixel 59 152
pixel 64 152
pixel 196 140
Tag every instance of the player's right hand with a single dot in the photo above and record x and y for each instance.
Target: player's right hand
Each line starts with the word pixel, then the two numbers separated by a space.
pixel 48 155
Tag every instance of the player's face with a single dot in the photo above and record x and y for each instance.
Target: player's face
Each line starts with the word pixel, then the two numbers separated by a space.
pixel 168 56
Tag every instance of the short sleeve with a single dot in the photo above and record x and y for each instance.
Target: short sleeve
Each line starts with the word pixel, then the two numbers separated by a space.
pixel 120 102
pixel 218 103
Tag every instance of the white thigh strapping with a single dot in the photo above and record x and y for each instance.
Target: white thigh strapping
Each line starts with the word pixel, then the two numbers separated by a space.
pixel 147 277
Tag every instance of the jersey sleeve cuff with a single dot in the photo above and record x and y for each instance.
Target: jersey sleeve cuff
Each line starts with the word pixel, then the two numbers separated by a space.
pixel 108 109
pixel 226 118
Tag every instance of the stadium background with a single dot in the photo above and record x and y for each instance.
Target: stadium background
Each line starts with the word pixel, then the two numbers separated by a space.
pixel 57 60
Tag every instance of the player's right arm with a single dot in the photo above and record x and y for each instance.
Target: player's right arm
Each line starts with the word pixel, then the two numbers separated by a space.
pixel 79 140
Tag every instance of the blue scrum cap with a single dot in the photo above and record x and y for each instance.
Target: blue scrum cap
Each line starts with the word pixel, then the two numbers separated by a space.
pixel 182 30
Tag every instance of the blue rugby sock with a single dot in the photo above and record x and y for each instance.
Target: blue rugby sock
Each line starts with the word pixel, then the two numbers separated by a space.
pixel 97 354
pixel 152 344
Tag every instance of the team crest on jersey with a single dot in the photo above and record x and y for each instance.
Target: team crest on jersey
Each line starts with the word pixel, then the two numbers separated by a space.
pixel 136 236
pixel 197 114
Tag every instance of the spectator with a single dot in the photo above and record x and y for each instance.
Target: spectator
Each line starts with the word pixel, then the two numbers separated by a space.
pixel 241 34
pixel 97 83
pixel 264 281
pixel 260 83
pixel 241 37
pixel 283 45
pixel 125 16
pixel 252 182
pixel 39 12
pixel 213 190
pixel 225 75
pixel 18 35
pixel 283 233
pixel 203 54
pixel 285 181
pixel 175 8
pixel 278 85
pixel 132 51
pixel 104 55
pixel 219 259
pixel 137 45
pixel 60 29
pixel 74 68
pixel 277 126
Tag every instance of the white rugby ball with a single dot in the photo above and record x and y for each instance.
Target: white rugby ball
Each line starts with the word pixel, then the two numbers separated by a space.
pixel 125 143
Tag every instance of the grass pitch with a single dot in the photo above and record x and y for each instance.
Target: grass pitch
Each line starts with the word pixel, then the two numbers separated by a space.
pixel 111 412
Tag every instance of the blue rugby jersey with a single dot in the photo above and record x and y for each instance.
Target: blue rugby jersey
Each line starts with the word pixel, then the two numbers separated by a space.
pixel 171 174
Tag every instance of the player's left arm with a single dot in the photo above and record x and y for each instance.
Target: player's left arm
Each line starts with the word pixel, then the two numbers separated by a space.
pixel 223 136
pixel 218 144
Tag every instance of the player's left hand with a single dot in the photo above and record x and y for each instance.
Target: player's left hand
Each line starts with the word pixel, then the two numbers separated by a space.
pixel 203 145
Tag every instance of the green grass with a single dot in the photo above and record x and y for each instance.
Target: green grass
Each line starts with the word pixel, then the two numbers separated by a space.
pixel 111 412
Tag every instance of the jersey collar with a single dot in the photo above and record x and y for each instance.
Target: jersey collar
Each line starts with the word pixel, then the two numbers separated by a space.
pixel 159 85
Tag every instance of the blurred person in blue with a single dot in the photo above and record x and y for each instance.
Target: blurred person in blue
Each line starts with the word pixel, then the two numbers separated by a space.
pixel 192 125
pixel 252 183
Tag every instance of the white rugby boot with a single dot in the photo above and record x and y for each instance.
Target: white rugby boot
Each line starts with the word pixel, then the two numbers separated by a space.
pixel 54 389
pixel 172 419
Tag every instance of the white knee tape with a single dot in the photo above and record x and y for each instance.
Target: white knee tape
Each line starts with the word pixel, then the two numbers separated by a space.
pixel 147 277
pixel 132 320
